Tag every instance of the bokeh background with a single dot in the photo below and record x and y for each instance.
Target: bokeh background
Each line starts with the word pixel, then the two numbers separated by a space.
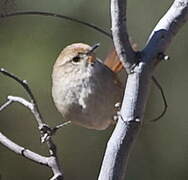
pixel 29 46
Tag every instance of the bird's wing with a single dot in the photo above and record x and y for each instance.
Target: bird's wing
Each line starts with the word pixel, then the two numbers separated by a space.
pixel 113 62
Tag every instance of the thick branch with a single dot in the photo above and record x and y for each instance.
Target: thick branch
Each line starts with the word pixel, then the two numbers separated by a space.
pixel 166 29
pixel 118 157
pixel 115 161
pixel 120 34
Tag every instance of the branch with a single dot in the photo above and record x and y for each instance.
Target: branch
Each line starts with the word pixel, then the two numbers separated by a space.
pixel 90 25
pixel 120 34
pixel 166 29
pixel 45 130
pixel 114 166
pixel 22 151
pixel 24 84
pixel 51 161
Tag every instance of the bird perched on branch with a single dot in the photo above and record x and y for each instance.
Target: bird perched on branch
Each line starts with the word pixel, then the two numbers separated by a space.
pixel 84 88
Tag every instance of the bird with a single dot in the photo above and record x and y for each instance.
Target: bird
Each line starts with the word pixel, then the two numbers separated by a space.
pixel 84 88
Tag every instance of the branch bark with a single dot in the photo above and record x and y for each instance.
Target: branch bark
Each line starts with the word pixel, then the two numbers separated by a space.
pixel 46 132
pixel 120 34
pixel 166 29
pixel 140 69
pixel 22 151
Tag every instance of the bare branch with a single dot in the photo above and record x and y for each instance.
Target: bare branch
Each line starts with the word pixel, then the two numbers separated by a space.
pixel 93 26
pixel 21 101
pixel 166 29
pixel 22 151
pixel 131 114
pixel 5 105
pixel 163 97
pixel 45 130
pixel 120 34
pixel 24 84
pixel 115 161
pixel 61 125
pixel 47 161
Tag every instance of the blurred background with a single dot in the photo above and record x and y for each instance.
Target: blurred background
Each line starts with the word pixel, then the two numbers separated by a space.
pixel 29 46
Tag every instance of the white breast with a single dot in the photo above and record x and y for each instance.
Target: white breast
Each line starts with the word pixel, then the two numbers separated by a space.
pixel 87 96
pixel 73 88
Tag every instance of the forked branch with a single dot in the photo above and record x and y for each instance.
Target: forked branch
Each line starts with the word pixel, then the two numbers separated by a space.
pixel 45 131
pixel 120 34
pixel 140 68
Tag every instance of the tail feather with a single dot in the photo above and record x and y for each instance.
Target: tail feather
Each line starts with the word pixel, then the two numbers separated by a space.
pixel 112 60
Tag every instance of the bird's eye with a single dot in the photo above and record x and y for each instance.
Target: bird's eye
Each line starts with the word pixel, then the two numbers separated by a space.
pixel 76 59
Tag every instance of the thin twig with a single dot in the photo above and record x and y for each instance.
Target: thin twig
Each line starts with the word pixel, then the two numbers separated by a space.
pixel 22 101
pixel 163 97
pixel 93 26
pixel 61 125
pixel 6 104
pixel 24 84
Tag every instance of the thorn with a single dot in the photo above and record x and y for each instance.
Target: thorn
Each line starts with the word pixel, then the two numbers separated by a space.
pixel 137 119
pixel 166 58
pixel 162 56
pixel 2 70
pixel 60 126
pixel 117 105
pixel 25 81
pixel 115 118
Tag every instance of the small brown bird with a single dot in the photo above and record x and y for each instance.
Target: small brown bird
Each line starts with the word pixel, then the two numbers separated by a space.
pixel 85 89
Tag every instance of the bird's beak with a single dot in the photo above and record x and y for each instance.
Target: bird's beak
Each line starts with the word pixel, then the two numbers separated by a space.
pixel 91 55
pixel 93 48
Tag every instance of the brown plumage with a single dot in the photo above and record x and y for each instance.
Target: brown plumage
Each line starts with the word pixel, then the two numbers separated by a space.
pixel 83 88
